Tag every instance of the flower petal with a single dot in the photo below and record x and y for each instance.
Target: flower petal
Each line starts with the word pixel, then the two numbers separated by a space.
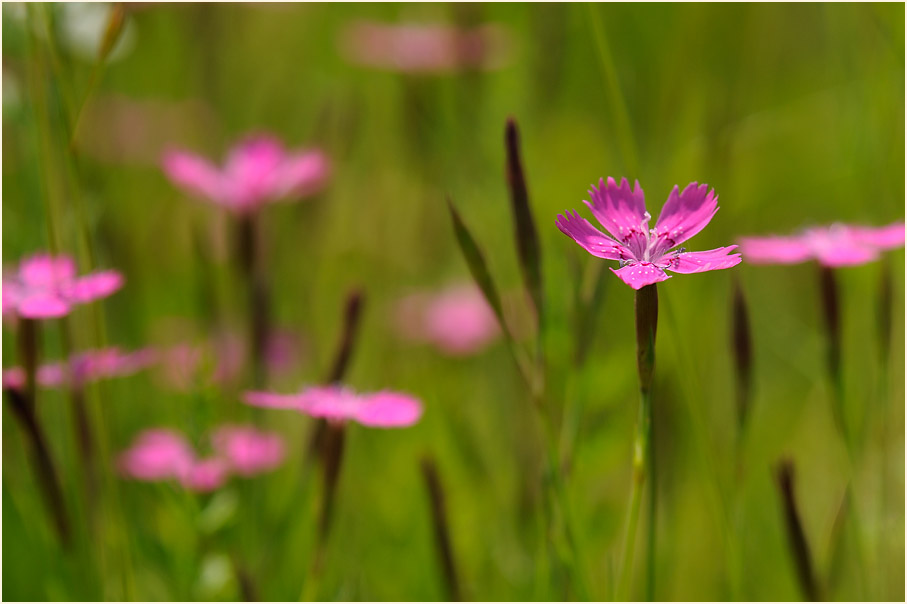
pixel 389 410
pixel 92 286
pixel 11 294
pixel 43 306
pixel 251 172
pixel 272 400
pixel 302 174
pixel 885 237
pixel 622 212
pixel 685 214
pixel 205 475
pixel 638 275
pixel 194 174
pixel 44 270
pixel 775 250
pixel 156 455
pixel 591 239
pixel 709 260
pixel 14 378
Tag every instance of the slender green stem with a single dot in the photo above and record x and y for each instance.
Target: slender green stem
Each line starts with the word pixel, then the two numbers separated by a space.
pixel 643 458
pixel 640 451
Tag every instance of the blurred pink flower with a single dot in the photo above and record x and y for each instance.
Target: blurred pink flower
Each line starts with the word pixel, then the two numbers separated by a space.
pixel 247 450
pixel 457 320
pixel 157 455
pixel 644 253
pixel 339 404
pixel 257 171
pixel 415 48
pixel 46 287
pixel 205 475
pixel 84 367
pixel 161 454
pixel 833 246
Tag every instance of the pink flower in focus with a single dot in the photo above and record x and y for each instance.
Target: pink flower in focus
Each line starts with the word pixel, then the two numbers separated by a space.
pixel 257 171
pixel 339 404
pixel 247 450
pixel 46 287
pixel 422 49
pixel 457 320
pixel 644 253
pixel 158 455
pixel 832 246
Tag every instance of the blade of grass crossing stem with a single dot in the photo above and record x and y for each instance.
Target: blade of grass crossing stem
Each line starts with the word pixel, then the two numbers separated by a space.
pixel 479 270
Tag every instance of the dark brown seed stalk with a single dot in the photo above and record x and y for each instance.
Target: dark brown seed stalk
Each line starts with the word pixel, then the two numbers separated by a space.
pixel 742 347
pixel 352 314
pixel 784 475
pixel 43 463
pixel 441 528
pixel 259 319
pixel 525 233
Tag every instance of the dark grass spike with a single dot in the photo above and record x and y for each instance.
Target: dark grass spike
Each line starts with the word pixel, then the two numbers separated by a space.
pixel 47 476
pixel 742 351
pixel 784 476
pixel 441 527
pixel 477 266
pixel 352 315
pixel 525 232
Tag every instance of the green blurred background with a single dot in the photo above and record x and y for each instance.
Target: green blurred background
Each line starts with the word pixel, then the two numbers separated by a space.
pixel 793 113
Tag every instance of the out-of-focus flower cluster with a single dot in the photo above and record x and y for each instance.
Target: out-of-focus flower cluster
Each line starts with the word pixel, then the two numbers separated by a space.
pixel 166 455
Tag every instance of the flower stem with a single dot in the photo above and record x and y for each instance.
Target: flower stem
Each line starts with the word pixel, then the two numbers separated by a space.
pixel 332 455
pixel 643 459
pixel 441 528
pixel 44 467
pixel 796 536
pixel 259 320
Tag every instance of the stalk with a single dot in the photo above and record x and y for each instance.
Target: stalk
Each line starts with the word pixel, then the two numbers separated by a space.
pixel 259 319
pixel 333 456
pixel 441 528
pixel 48 480
pixel 796 536
pixel 643 458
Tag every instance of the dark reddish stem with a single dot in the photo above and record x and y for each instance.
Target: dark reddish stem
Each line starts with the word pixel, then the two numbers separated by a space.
pixel 441 528
pixel 795 534
pixel 43 462
pixel 259 318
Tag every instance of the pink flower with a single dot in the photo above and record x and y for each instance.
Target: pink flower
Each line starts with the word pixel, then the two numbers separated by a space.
pixel 424 49
pixel 162 454
pixel 340 404
pixel 832 246
pixel 205 475
pixel 83 367
pixel 158 455
pixel 46 287
pixel 457 320
pixel 258 171
pixel 645 254
pixel 247 450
